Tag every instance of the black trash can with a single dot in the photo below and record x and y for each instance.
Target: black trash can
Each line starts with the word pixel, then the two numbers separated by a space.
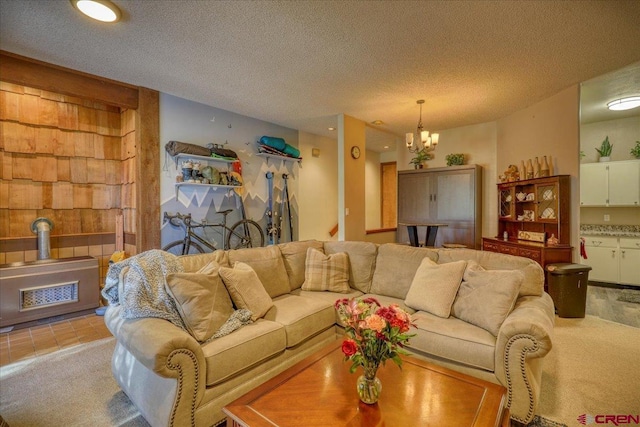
pixel 568 288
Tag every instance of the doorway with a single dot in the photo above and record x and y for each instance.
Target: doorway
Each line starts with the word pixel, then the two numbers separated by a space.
pixel 388 194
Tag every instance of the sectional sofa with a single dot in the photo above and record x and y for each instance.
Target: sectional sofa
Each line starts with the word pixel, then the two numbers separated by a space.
pixel 498 327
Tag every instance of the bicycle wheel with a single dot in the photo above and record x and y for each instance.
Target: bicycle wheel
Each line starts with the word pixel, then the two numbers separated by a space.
pixel 177 248
pixel 245 234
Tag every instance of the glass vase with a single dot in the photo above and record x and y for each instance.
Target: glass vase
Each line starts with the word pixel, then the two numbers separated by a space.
pixel 369 386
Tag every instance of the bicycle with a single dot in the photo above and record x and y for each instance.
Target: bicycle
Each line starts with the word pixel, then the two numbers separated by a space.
pixel 243 234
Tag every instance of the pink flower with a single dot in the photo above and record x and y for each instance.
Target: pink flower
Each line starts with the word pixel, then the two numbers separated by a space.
pixel 375 323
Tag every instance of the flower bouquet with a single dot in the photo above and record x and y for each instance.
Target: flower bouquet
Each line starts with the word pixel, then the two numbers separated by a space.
pixel 373 334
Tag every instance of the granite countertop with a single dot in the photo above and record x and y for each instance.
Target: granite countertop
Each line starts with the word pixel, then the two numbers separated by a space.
pixel 610 230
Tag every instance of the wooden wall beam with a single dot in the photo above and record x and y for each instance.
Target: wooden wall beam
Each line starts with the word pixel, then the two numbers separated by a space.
pixel 42 75
pixel 148 170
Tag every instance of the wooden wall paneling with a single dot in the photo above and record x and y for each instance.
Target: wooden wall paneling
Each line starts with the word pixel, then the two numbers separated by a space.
pixel 82 196
pixel 4 194
pixel 63 169
pixel 101 197
pixel 78 169
pixel 68 221
pixel 128 197
pixel 128 146
pixel 30 90
pixel 98 147
pixel 20 222
pixel 129 171
pixel 18 138
pixel 89 221
pixel 67 116
pixel 64 144
pixel 113 172
pixel 9 106
pixel 45 140
pixel 84 144
pixel 44 169
pixel 6 169
pixel 28 113
pixel 10 87
pixel 62 195
pixel 29 72
pixel 25 194
pixel 52 96
pixel 108 123
pixel 87 119
pixel 47 195
pixel 147 161
pixel 112 147
pixel 47 112
pixel 4 223
pixel 22 166
pixel 96 171
pixel 127 121
pixel 115 192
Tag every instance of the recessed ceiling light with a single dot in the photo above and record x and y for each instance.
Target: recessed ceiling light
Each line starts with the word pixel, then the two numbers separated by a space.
pixel 100 10
pixel 332 128
pixel 385 147
pixel 377 122
pixel 624 103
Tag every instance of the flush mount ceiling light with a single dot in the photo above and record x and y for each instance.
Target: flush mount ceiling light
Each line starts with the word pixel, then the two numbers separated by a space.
pixel 624 103
pixel 377 122
pixel 427 143
pixel 100 10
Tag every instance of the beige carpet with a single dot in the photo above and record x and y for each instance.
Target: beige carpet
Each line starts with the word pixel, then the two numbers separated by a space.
pixel 594 368
pixel 71 387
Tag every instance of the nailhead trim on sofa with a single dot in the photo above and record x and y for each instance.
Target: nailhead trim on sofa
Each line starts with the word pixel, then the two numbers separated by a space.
pixel 177 367
pixel 523 355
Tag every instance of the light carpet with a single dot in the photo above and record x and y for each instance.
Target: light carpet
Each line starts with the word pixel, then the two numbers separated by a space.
pixel 70 387
pixel 593 369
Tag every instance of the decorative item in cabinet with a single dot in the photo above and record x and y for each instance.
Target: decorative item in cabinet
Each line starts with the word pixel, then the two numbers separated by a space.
pixel 506 201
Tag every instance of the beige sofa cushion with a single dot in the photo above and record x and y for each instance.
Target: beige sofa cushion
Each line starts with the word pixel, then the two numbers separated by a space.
pixel 533 283
pixel 241 350
pixel 202 301
pixel 326 272
pixel 294 255
pixel 453 339
pixel 486 297
pixel 301 317
pixel 362 261
pixel 396 265
pixel 268 264
pixel 193 263
pixel 246 290
pixel 435 286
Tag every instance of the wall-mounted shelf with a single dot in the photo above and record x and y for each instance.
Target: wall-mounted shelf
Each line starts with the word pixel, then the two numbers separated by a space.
pixel 195 184
pixel 275 156
pixel 184 156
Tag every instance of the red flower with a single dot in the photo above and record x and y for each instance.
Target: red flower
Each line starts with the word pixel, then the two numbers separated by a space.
pixel 349 347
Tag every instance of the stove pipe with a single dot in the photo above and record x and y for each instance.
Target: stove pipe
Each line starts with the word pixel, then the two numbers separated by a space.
pixel 42 226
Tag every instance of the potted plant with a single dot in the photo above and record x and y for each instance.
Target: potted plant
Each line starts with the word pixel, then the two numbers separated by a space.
pixel 420 158
pixel 605 150
pixel 455 159
pixel 635 151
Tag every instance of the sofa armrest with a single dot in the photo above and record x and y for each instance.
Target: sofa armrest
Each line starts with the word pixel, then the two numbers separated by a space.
pixel 165 349
pixel 524 339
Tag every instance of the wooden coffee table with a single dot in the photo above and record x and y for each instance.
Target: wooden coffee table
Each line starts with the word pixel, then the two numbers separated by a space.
pixel 320 391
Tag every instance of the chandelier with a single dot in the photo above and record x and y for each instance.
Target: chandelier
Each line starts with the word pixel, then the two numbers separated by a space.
pixel 426 142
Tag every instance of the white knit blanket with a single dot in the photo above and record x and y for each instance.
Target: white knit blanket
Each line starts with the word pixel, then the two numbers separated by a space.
pixel 143 291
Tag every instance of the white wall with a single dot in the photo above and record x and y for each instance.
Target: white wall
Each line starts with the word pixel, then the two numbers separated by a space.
pixel 372 190
pixel 622 133
pixel 318 187
pixel 195 123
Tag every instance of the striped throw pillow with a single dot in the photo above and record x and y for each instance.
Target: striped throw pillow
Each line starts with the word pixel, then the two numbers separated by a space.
pixel 326 272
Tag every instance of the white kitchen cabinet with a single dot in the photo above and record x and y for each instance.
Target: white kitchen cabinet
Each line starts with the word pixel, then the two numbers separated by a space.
pixel 630 261
pixel 602 256
pixel 613 260
pixel 610 183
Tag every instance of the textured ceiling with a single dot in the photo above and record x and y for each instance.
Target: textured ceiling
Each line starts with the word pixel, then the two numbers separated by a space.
pixel 299 64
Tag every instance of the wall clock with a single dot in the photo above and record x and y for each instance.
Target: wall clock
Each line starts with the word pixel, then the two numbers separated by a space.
pixel 355 152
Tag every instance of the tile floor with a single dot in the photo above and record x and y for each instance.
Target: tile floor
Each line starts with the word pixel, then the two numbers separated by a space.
pixel 30 342
pixel 603 302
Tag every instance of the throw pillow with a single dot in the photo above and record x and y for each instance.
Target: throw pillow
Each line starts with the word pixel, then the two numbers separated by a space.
pixel 486 297
pixel 202 301
pixel 435 286
pixel 246 289
pixel 326 272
